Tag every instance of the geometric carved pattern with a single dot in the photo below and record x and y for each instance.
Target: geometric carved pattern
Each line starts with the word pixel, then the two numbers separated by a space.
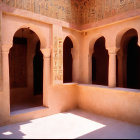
pixel 76 11
pixel 96 10
pixel 59 9
pixel 58 61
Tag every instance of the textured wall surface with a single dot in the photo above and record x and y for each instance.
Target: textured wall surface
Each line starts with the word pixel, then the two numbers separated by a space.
pixel 60 9
pixel 96 10
pixel 76 11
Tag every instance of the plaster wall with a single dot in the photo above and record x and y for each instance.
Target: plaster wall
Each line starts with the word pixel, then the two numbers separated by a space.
pixel 111 102
pixel 59 97
pixel 13 23
pixel 118 103
pixel 112 34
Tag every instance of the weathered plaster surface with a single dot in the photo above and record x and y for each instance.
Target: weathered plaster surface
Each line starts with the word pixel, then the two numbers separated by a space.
pixel 60 9
pixel 96 10
pixel 76 11
pixel 118 103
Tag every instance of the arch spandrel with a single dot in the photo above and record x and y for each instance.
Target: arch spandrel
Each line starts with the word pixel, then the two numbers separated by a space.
pixel 74 41
pixel 121 33
pixel 91 41
pixel 9 38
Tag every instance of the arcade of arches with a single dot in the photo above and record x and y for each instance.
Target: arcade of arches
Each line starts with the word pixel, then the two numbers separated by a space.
pixel 49 66
pixel 26 66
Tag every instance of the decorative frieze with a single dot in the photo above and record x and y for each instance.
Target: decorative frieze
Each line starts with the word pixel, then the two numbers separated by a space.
pixel 58 61
pixel 76 11
pixel 96 10
pixel 60 9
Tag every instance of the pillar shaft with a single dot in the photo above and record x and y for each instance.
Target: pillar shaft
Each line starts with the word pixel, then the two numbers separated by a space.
pixel 5 72
pixel 5 80
pixel 112 70
pixel 120 70
pixel 46 74
pixel 46 80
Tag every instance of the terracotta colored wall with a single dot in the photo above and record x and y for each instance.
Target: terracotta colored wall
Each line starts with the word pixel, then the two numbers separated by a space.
pixel 59 98
pixel 96 10
pixel 74 11
pixel 65 10
pixel 116 103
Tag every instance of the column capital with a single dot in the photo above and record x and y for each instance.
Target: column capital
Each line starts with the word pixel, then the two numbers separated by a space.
pixel 112 50
pixel 6 47
pixel 46 52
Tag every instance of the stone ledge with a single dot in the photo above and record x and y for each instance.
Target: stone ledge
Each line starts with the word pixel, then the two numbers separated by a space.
pixel 109 88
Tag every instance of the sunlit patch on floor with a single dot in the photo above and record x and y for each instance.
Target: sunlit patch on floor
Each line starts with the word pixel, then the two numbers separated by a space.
pixel 75 124
pixel 61 125
pixel 7 133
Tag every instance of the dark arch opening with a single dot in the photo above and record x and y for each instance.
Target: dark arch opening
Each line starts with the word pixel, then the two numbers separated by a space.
pixel 133 64
pixel 100 63
pixel 38 70
pixel 67 60
pixel 26 71
pixel 129 61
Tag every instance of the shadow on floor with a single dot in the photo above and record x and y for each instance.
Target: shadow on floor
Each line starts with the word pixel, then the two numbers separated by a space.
pixel 75 124
pixel 114 129
pixel 12 131
pixel 34 101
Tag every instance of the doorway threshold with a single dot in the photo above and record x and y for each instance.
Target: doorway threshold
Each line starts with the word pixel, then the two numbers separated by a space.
pixel 27 110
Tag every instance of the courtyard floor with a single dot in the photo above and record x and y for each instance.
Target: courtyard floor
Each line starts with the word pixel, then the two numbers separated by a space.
pixel 75 124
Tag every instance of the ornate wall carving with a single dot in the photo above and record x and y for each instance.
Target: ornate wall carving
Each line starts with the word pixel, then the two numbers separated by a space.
pixel 76 11
pixel 60 9
pixel 96 10
pixel 58 61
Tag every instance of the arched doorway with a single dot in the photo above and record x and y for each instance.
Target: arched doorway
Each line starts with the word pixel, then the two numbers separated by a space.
pixel 26 71
pixel 67 60
pixel 129 61
pixel 100 60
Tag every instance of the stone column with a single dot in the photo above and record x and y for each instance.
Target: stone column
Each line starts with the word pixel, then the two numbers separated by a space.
pixel 112 68
pixel 90 64
pixel 46 74
pixel 75 65
pixel 5 67
pixel 120 70
pixel 5 78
